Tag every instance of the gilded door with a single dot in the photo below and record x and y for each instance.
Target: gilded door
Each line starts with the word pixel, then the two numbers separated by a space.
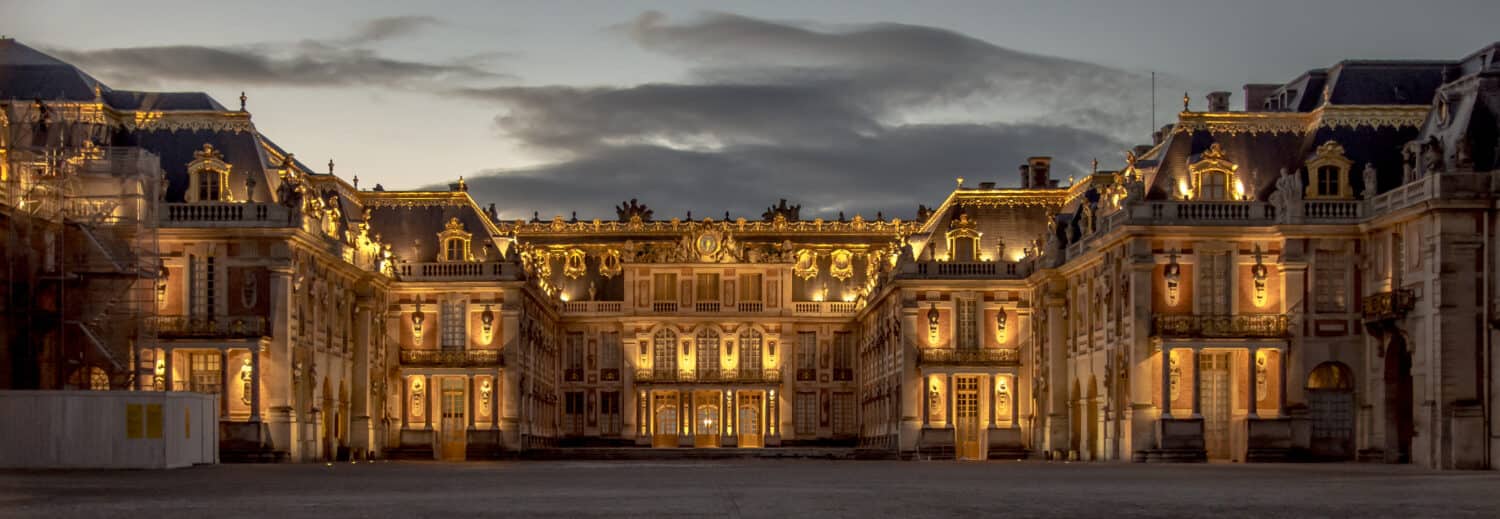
pixel 966 419
pixel 706 420
pixel 751 430
pixel 454 423
pixel 1214 389
pixel 664 420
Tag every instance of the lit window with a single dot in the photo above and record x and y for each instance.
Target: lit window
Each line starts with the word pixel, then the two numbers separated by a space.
pixel 807 356
pixel 454 314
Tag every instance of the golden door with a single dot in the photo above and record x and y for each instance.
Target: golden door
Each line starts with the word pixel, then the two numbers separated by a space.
pixel 1214 392
pixel 706 420
pixel 664 420
pixel 454 424
pixel 966 422
pixel 751 435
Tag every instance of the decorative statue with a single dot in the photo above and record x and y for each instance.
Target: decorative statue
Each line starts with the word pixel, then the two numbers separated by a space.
pixel 247 372
pixel 1370 181
pixel 1432 156
pixel 1409 154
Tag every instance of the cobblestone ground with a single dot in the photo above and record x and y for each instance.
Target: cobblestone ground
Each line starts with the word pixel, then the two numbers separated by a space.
pixel 753 488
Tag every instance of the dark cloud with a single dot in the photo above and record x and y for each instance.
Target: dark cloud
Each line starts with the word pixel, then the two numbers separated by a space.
pixel 307 63
pixel 820 117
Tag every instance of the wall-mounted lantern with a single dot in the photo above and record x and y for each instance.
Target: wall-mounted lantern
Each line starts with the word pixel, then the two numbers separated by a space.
pixel 1000 321
pixel 487 322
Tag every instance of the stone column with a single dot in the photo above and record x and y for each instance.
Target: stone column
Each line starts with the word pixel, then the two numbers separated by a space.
pixel 279 374
pixel 495 401
pixel 1057 368
pixel 255 382
pixel 949 406
pixel 926 403
pixel 1281 382
pixel 1013 402
pixel 427 401
pixel 167 378
pixel 473 395
pixel 224 383
pixel 509 385
pixel 1250 376
pixel 405 402
pixel 361 432
pixel 994 398
pixel 1166 382
pixel 1197 386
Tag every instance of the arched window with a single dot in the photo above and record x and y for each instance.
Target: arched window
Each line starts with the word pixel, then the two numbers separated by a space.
pixel 208 176
pixel 454 241
pixel 1331 375
pixel 1328 175
pixel 664 354
pixel 750 354
pixel 455 250
pixel 210 185
pixel 963 238
pixel 1213 177
pixel 707 354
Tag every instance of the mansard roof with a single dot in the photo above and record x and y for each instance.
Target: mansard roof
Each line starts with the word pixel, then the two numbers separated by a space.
pixel 27 73
pixel 411 220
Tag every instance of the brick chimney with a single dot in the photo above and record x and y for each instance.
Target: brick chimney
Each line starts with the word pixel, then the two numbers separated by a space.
pixel 1218 101
pixel 1041 170
pixel 1025 176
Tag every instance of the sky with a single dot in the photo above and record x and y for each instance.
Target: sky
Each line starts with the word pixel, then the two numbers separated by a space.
pixel 856 107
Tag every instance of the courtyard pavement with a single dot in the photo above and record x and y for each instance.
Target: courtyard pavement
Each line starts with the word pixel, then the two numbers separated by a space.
pixel 752 488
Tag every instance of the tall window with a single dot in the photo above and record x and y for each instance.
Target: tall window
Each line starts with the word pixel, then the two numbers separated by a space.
pixel 210 185
pixel 708 287
pixel 750 356
pixel 203 372
pixel 574 356
pixel 843 356
pixel 664 287
pixel 454 249
pixel 453 314
pixel 965 248
pixel 664 354
pixel 968 324
pixel 708 354
pixel 573 413
pixel 609 355
pixel 1214 186
pixel 1328 181
pixel 1329 282
pixel 609 413
pixel 750 288
pixel 806 413
pixel 807 356
pixel 203 289
pixel 843 413
pixel 1213 279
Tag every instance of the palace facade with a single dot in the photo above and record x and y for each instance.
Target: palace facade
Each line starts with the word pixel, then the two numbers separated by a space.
pixel 1310 278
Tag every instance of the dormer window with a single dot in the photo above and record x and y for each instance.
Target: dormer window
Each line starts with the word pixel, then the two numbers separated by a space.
pixel 208 176
pixel 1329 173
pixel 963 238
pixel 1213 178
pixel 454 243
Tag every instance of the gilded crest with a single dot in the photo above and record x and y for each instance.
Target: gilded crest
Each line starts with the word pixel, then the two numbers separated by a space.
pixel 841 265
pixel 806 266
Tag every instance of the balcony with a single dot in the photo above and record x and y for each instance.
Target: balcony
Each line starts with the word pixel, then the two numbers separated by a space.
pixel 970 357
pixel 823 308
pixel 218 327
pixel 965 270
pixel 1266 326
pixel 451 358
pixel 459 271
pixel 592 307
pixel 728 376
pixel 225 214
pixel 1389 305
pixel 1447 187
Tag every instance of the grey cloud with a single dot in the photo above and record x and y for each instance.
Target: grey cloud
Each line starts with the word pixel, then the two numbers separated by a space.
pixel 307 63
pixel 890 172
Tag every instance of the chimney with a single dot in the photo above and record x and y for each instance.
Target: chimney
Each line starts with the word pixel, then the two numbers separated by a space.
pixel 1041 170
pixel 1218 101
pixel 1156 137
pixel 986 185
pixel 1025 176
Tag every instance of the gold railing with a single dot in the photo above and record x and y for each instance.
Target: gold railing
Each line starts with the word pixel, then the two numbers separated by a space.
pixel 223 326
pixel 974 357
pixel 727 376
pixel 1389 305
pixel 1220 326
pixel 450 358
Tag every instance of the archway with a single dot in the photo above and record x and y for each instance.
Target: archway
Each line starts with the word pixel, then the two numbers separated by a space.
pixel 1399 425
pixel 1330 401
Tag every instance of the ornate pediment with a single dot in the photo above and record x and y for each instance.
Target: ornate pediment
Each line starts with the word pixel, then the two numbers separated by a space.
pixel 633 211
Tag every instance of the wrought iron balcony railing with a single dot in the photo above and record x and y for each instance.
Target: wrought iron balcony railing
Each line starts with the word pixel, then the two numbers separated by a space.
pixel 970 357
pixel 1389 305
pixel 215 327
pixel 1221 326
pixel 728 376
pixel 451 358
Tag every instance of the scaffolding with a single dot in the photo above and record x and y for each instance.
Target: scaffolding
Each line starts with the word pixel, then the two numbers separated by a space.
pixel 83 263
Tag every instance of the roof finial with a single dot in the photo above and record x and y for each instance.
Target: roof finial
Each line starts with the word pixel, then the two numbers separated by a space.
pixel 242 100
pixel 960 181
pixel 1096 165
pixel 356 181
pixel 330 166
pixel 1184 101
